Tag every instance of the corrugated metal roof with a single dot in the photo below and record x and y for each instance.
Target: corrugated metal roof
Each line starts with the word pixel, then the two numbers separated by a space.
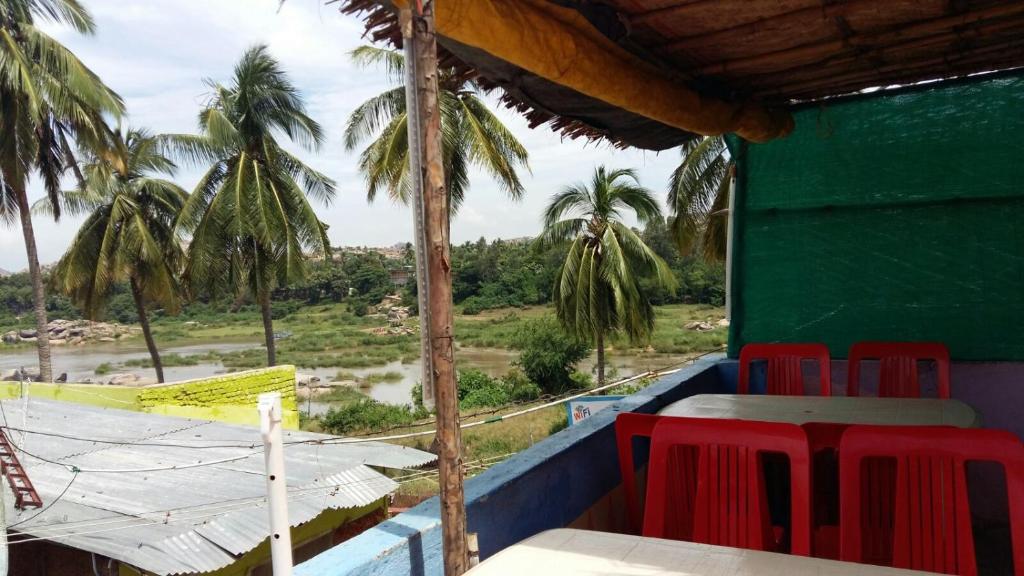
pixel 179 521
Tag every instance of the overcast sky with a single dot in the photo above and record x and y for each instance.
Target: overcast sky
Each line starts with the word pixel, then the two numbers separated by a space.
pixel 156 53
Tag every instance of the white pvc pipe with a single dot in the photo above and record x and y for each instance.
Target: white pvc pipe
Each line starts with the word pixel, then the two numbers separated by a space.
pixel 269 408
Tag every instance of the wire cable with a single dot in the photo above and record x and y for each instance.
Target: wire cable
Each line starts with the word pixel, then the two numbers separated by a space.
pixel 47 507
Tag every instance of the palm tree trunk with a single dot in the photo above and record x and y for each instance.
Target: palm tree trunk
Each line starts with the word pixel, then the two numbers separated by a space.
pixel 36 275
pixel 600 358
pixel 140 307
pixel 268 328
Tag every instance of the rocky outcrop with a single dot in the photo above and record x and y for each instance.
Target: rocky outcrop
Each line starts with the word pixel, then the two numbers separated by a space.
pixel 74 333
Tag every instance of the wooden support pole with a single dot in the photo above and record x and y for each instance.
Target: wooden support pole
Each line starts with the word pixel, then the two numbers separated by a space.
pixel 439 281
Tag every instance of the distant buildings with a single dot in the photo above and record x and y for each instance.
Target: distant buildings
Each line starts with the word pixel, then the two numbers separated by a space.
pixel 393 252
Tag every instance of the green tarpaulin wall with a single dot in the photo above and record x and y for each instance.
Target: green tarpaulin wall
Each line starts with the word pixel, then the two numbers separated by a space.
pixel 898 217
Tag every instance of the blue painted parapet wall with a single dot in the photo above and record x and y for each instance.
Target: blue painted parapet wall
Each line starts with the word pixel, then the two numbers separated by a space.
pixel 549 485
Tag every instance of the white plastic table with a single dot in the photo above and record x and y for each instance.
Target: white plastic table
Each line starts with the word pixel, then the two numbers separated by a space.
pixel 567 552
pixel 833 409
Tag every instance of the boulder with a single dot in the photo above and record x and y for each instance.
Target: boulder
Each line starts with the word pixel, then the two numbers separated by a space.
pixel 124 379
pixel 306 379
pixel 699 326
pixel 58 341
pixel 32 339
pixel 11 337
pixel 28 333
pixel 723 323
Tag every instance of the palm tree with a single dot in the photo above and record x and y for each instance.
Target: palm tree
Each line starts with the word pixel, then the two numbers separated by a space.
pixel 471 134
pixel 48 98
pixel 698 197
pixel 250 220
pixel 597 291
pixel 128 235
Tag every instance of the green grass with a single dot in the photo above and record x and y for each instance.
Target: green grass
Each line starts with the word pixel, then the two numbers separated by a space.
pixel 378 377
pixel 103 369
pixel 495 329
pixel 171 360
pixel 341 395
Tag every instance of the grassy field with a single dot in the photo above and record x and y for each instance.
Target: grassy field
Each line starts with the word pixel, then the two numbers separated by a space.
pixel 330 336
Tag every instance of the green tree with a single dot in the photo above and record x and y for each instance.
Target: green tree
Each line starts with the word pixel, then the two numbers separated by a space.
pixel 128 235
pixel 251 223
pixel 698 197
pixel 48 99
pixel 471 134
pixel 547 354
pixel 598 290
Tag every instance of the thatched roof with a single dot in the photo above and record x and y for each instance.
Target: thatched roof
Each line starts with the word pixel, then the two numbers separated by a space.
pixel 778 54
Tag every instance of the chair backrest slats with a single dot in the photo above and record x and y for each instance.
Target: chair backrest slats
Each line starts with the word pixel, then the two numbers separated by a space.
pixel 897 367
pixel 784 371
pixel 929 511
pixel 731 506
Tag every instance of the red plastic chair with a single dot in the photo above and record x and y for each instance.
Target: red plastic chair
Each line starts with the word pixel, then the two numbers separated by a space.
pixel 629 425
pixel 731 506
pixel 897 376
pixel 932 521
pixel 824 438
pixel 785 374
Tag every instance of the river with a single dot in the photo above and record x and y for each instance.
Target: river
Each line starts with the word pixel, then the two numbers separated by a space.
pixel 80 364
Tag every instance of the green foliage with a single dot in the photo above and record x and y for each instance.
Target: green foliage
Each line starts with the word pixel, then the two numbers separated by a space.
pixel 341 395
pixel 502 274
pixel 472 134
pixel 249 217
pixel 558 425
pixel 547 354
pixel 103 369
pixel 172 360
pixel 478 389
pixel 700 280
pixel 128 234
pixel 598 290
pixel 698 198
pixel 367 415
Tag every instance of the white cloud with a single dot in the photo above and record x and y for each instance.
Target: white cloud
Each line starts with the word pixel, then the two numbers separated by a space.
pixel 157 53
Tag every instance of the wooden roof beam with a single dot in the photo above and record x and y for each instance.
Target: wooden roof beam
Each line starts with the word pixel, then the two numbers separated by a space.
pixel 905 73
pixel 819 71
pixel 807 53
pixel 559 45
pixel 682 9
pixel 826 11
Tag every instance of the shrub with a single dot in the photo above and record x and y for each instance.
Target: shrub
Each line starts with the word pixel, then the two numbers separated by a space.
pixel 365 415
pixel 472 306
pixel 520 388
pixel 558 425
pixel 547 355
pixel 581 380
pixel 477 389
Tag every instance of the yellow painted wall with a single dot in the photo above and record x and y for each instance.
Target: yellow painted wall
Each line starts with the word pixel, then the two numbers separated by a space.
pixel 227 398
pixel 327 521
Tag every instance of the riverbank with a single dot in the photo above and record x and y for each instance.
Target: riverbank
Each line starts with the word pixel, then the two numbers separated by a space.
pixel 333 344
